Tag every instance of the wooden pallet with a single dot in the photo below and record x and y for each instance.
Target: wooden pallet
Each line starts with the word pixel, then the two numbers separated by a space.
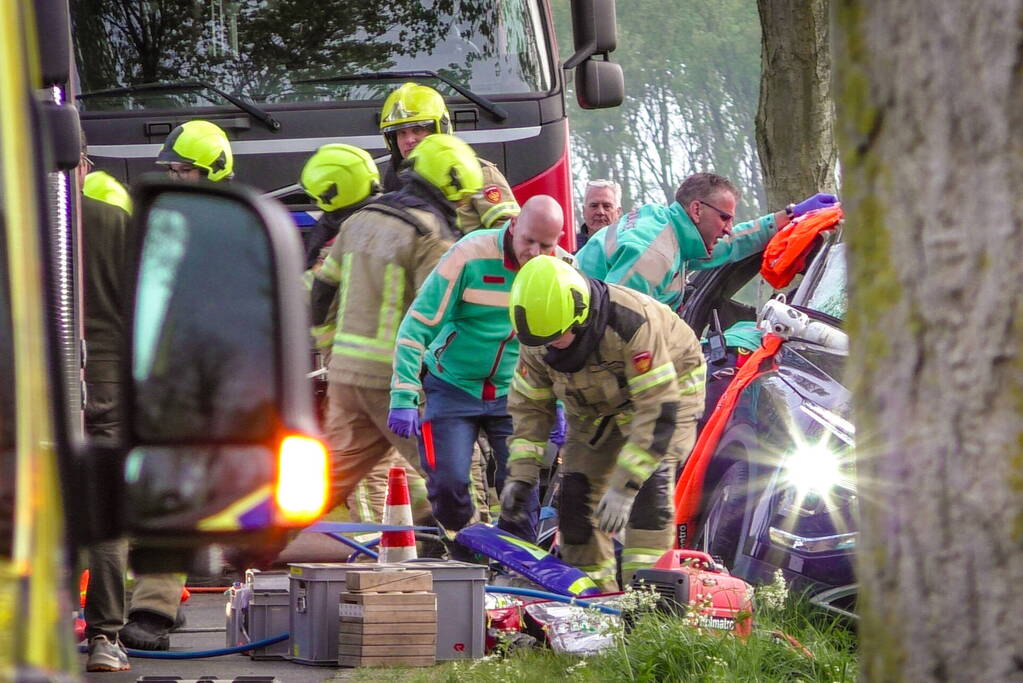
pixel 388 628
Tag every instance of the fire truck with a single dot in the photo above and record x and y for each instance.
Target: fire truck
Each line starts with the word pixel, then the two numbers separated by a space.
pixel 283 78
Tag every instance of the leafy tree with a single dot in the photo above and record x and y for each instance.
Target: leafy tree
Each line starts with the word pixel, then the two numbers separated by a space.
pixel 691 72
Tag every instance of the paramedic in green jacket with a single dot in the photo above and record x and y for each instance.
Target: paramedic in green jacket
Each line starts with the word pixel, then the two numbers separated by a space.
pixel 651 248
pixel 458 328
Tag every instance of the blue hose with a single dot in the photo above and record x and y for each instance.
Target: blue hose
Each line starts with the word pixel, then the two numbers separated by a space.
pixel 200 654
pixel 531 593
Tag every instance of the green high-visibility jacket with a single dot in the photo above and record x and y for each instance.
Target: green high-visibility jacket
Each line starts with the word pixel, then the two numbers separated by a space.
pixel 458 325
pixel 651 248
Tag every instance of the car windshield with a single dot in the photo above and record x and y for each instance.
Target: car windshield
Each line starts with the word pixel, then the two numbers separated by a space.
pixel 261 50
pixel 829 294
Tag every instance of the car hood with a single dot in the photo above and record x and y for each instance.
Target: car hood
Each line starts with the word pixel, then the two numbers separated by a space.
pixel 816 375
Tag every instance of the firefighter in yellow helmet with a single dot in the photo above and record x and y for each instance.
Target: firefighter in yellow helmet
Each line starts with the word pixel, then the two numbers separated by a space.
pixel 631 376
pixel 409 115
pixel 381 256
pixel 197 149
pixel 194 151
pixel 342 180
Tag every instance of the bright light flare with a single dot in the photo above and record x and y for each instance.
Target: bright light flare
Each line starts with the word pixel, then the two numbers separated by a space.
pixel 813 468
pixel 303 480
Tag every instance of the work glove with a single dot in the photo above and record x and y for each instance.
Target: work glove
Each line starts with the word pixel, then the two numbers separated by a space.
pixel 404 422
pixel 821 200
pixel 514 497
pixel 613 510
pixel 557 436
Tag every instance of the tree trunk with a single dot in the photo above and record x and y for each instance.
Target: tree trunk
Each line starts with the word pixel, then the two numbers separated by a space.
pixel 930 101
pixel 796 115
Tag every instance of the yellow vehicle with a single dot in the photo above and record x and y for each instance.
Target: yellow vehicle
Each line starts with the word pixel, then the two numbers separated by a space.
pixel 217 413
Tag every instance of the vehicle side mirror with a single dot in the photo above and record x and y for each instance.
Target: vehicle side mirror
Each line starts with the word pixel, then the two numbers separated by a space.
pixel 599 84
pixel 217 408
pixel 594 29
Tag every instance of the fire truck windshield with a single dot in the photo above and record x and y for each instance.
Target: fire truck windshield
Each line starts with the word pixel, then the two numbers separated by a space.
pixel 290 51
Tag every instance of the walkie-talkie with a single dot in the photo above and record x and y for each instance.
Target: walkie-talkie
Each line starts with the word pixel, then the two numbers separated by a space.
pixel 716 341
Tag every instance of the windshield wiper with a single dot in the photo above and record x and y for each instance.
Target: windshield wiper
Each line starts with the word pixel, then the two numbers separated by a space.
pixel 265 118
pixel 495 110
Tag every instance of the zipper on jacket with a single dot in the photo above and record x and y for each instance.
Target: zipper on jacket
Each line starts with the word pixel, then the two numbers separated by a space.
pixel 489 389
pixel 442 348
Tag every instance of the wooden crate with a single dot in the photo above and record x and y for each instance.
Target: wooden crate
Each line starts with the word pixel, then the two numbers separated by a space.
pixel 387 629
pixel 392 581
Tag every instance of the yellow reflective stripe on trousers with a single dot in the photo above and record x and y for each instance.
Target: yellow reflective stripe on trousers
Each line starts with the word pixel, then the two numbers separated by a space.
pixel 598 573
pixel 581 584
pixel 637 461
pixel 520 385
pixel 693 381
pixel 652 378
pixel 521 449
pixel 381 347
pixel 640 558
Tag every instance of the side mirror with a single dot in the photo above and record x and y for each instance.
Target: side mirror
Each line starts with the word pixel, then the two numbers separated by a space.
pixel 599 84
pixel 594 30
pixel 53 32
pixel 218 414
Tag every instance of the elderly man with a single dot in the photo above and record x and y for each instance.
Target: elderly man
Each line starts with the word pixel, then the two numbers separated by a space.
pixel 458 327
pixel 651 248
pixel 602 206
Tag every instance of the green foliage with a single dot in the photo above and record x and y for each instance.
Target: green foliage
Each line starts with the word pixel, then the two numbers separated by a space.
pixel 692 78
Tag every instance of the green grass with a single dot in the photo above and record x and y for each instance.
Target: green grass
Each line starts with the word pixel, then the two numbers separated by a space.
pixel 664 648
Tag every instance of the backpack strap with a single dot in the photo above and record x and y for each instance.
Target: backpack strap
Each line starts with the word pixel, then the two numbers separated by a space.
pixel 405 216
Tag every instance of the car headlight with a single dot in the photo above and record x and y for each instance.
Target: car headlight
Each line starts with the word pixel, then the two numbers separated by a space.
pixel 813 468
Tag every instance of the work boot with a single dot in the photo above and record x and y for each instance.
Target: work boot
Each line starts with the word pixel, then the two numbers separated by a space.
pixel 106 656
pixel 147 631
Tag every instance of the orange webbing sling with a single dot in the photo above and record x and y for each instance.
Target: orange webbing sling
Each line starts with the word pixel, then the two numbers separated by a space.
pixel 785 254
pixel 688 490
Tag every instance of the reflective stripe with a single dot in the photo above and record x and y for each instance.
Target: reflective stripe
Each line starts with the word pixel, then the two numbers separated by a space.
pixel 605 571
pixel 693 381
pixel 640 558
pixel 485 297
pixel 521 449
pixel 581 584
pixel 491 214
pixel 229 518
pixel 520 385
pixel 652 378
pixel 381 347
pixel 637 461
pixel 330 270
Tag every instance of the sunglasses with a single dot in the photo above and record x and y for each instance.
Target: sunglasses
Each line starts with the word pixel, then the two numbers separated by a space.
pixel 723 215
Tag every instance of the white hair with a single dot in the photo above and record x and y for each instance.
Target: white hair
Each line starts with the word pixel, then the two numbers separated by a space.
pixel 616 189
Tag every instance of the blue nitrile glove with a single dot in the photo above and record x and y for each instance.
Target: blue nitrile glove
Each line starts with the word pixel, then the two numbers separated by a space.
pixel 560 428
pixel 404 422
pixel 821 200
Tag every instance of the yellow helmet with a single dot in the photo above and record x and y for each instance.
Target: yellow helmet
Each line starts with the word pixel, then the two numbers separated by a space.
pixel 339 175
pixel 548 298
pixel 202 144
pixel 413 105
pixel 448 164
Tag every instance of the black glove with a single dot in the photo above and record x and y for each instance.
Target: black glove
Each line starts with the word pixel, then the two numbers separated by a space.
pixel 513 502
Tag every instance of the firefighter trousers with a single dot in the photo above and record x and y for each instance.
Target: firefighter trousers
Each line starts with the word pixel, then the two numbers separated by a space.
pixel 587 460
pixel 359 440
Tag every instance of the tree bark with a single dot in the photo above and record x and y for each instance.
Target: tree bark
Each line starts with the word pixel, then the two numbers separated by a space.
pixel 796 116
pixel 930 101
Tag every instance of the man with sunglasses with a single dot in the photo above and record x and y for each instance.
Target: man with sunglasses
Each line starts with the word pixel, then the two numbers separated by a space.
pixel 651 247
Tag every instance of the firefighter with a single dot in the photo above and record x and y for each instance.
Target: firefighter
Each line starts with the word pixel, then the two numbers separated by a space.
pixel 651 247
pixel 195 151
pixel 631 376
pixel 458 328
pixel 415 111
pixel 106 210
pixel 380 259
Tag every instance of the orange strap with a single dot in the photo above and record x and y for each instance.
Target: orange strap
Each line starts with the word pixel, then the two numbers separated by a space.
pixel 785 254
pixel 688 490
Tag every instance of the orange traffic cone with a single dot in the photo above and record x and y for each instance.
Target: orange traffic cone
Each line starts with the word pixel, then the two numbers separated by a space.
pixel 396 546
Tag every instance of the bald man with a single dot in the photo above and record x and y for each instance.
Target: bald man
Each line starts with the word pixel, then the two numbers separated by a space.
pixel 458 327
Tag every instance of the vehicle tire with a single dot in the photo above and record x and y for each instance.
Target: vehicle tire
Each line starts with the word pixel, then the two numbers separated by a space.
pixel 722 528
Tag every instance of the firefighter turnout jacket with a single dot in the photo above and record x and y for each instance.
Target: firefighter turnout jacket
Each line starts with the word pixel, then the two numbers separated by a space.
pixel 458 325
pixel 651 248
pixel 380 258
pixel 645 374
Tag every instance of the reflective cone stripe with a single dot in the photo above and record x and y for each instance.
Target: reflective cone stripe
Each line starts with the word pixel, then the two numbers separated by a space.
pixel 396 546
